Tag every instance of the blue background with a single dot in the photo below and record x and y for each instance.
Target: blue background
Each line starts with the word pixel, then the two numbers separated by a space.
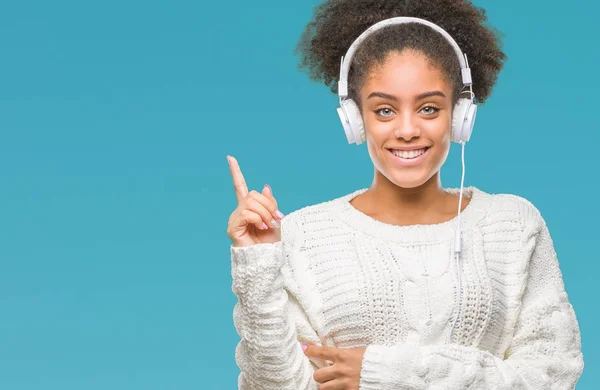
pixel 115 121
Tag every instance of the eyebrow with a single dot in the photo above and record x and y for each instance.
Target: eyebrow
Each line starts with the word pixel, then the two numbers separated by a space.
pixel 419 97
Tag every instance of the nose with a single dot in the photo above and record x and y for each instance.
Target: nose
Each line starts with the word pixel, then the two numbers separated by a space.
pixel 406 127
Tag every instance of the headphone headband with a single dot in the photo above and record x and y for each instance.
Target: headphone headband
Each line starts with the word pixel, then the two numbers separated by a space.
pixel 347 59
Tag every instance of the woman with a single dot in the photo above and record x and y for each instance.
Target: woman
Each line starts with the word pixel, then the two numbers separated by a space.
pixel 387 287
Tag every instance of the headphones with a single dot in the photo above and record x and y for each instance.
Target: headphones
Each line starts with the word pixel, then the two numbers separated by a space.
pixel 465 110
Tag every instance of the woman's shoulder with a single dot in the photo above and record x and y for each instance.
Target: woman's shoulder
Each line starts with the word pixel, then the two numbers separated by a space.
pixel 316 214
pixel 502 206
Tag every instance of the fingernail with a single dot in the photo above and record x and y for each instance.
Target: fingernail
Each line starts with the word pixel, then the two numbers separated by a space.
pixel 265 226
pixel 274 223
pixel 279 214
pixel 270 189
pixel 304 346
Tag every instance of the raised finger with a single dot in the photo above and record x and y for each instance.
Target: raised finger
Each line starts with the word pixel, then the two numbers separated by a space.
pixel 239 183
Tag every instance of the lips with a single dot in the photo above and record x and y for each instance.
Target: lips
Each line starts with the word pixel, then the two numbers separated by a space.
pixel 408 154
pixel 411 157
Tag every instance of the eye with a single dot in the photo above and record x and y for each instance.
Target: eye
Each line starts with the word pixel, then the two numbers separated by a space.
pixel 385 112
pixel 430 110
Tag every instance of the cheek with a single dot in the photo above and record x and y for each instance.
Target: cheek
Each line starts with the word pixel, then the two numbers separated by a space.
pixel 376 137
pixel 438 130
pixel 375 128
pixel 441 137
pixel 377 133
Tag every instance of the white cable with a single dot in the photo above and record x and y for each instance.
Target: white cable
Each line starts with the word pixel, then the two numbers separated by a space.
pixel 458 244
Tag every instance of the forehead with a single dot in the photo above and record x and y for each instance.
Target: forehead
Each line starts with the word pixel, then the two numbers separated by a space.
pixel 408 72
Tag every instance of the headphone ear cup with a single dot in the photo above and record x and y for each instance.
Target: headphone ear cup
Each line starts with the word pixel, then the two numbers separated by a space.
pixel 346 124
pixel 463 120
pixel 469 122
pixel 352 121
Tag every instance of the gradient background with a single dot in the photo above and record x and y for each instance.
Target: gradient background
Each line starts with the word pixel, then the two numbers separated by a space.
pixel 115 121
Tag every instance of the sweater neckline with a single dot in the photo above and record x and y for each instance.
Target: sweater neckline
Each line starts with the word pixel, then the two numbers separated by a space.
pixel 422 233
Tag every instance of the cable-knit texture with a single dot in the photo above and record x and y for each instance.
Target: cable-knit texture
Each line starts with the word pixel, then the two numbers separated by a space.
pixel 341 278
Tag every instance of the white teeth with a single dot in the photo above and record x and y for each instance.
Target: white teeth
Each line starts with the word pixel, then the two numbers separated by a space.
pixel 408 154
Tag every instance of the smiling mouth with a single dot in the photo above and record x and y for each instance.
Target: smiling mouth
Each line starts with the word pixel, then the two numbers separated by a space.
pixel 409 154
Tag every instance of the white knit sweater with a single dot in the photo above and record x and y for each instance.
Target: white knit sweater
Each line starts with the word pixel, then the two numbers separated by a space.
pixel 341 278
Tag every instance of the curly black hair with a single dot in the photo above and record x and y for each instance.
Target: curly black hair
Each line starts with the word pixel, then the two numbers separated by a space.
pixel 337 23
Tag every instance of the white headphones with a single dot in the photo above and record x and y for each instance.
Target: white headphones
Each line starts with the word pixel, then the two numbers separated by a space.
pixel 465 110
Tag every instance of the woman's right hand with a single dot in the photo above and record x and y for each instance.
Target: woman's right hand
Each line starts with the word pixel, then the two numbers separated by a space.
pixel 256 220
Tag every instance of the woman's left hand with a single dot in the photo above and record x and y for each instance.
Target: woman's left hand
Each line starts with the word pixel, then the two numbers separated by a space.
pixel 344 373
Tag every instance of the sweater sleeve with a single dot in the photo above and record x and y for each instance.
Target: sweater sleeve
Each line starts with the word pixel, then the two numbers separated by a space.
pixel 269 319
pixel 545 351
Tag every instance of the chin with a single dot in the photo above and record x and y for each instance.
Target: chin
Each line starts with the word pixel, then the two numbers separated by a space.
pixel 409 184
pixel 410 180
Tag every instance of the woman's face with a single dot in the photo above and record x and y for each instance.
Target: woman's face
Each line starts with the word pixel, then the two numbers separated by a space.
pixel 407 112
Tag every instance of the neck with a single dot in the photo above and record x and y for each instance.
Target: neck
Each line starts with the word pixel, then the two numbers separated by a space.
pixel 407 205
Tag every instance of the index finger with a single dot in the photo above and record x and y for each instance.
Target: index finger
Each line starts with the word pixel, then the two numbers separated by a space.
pixel 239 183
